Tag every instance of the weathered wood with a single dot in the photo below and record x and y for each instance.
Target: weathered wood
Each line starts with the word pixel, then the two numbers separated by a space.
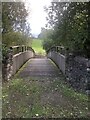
pixel 59 59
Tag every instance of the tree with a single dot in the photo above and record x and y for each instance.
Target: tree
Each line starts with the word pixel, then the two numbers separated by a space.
pixel 15 38
pixel 45 33
pixel 13 16
pixel 15 28
pixel 70 24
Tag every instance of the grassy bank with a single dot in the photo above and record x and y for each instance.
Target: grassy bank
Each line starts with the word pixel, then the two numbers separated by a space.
pixel 37 46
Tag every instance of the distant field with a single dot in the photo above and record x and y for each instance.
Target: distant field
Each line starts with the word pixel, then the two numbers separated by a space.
pixel 37 46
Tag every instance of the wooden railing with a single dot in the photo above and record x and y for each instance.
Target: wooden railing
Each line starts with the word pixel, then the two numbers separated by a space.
pixel 22 48
pixel 59 49
pixel 57 54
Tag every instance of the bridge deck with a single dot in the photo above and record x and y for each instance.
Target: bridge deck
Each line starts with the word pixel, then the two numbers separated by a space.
pixel 40 67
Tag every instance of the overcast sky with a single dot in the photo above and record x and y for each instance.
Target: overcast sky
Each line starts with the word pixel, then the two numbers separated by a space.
pixel 37 17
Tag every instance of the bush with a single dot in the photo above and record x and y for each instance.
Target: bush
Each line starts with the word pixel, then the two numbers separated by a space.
pixel 4 53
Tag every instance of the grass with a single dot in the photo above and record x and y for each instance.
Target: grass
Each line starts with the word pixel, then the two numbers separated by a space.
pixel 23 98
pixel 18 98
pixel 37 46
pixel 70 92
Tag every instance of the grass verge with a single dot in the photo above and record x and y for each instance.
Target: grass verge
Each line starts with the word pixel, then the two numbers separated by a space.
pixel 37 46
pixel 23 98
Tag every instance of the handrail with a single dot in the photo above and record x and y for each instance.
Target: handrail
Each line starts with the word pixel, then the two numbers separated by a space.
pixel 16 57
pixel 59 49
pixel 20 48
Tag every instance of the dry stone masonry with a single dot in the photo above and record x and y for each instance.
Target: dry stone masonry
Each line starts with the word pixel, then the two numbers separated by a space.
pixel 78 73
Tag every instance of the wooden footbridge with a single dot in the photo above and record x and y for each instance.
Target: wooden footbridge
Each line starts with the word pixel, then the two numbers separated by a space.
pixel 56 61
pixel 44 66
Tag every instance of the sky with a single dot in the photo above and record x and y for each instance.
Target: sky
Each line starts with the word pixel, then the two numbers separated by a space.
pixel 37 16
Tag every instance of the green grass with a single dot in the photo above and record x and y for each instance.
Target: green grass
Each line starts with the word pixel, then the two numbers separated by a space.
pixel 22 98
pixel 70 92
pixel 37 46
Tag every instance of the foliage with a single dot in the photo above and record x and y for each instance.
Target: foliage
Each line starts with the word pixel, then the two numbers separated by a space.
pixel 5 51
pixel 70 24
pixel 46 35
pixel 47 44
pixel 13 16
pixel 15 38
pixel 15 28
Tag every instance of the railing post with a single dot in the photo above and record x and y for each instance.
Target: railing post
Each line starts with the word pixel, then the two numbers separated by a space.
pixel 28 48
pixel 22 48
pixel 56 48
pixel 25 48
pixel 17 49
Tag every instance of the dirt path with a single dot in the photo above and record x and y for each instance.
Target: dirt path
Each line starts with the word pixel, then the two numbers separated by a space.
pixel 39 91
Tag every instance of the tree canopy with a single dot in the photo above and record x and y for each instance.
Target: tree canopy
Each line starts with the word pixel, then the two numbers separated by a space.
pixel 69 21
pixel 15 29
pixel 13 16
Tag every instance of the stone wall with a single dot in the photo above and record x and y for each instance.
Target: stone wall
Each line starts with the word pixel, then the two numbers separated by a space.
pixel 78 73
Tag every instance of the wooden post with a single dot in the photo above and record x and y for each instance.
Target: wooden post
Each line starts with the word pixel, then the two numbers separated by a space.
pixel 17 50
pixel 22 48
